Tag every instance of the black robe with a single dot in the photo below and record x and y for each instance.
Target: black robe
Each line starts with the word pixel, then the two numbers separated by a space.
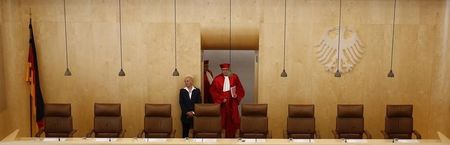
pixel 187 104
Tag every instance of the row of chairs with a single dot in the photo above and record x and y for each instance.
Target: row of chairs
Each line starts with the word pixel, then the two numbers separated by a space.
pixel 207 122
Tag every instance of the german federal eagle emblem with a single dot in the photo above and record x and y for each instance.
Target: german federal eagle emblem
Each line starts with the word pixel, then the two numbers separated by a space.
pixel 350 52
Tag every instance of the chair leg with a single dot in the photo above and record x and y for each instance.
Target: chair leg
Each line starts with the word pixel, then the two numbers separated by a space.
pixel 418 135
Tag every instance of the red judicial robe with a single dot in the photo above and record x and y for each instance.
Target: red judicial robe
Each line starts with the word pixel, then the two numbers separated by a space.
pixel 229 109
pixel 207 85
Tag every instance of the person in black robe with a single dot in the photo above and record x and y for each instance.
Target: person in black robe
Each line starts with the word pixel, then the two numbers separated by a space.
pixel 189 96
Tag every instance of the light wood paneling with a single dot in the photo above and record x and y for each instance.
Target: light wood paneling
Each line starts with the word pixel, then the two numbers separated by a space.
pixel 14 48
pixel 148 59
pixel 2 95
pixel 2 87
pixel 421 57
pixel 148 55
pixel 417 54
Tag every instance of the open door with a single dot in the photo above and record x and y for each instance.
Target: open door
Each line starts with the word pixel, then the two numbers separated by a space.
pixel 243 63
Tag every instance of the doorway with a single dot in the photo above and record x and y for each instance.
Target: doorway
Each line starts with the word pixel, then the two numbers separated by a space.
pixel 243 63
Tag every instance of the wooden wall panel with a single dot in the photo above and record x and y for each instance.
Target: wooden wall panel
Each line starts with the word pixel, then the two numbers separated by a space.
pixel 441 79
pixel 418 50
pixel 421 57
pixel 94 52
pixel 14 48
pixel 2 87
pixel 2 95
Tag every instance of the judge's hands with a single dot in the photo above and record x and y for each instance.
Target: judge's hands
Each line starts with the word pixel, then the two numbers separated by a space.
pixel 233 92
pixel 224 100
pixel 190 114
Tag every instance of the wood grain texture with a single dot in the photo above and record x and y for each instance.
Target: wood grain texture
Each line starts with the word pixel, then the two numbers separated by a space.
pixel 2 87
pixel 148 59
pixel 14 47
pixel 421 57
pixel 417 53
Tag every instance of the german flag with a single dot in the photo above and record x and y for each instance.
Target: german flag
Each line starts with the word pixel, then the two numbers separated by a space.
pixel 32 78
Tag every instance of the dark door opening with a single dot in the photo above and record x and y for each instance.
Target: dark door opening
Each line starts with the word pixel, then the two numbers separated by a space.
pixel 243 63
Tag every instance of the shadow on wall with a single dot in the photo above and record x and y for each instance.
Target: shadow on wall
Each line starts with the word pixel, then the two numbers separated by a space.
pixel 244 36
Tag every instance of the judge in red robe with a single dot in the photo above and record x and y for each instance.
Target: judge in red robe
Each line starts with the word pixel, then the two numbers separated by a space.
pixel 227 90
pixel 207 80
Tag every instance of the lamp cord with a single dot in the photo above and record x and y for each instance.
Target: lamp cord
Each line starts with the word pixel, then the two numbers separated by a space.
pixel 65 35
pixel 229 55
pixel 339 34
pixel 284 43
pixel 120 36
pixel 175 30
pixel 393 33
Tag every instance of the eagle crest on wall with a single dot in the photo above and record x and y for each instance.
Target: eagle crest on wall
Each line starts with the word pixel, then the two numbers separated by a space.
pixel 350 52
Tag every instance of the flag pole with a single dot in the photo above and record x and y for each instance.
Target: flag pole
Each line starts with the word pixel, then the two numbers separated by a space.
pixel 31 109
pixel 31 118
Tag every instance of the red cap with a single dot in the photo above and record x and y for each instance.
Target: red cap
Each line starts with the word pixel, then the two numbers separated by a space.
pixel 225 66
pixel 206 62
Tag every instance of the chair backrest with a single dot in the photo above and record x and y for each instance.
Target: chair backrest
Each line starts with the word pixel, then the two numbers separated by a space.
pixel 301 121
pixel 350 121
pixel 207 121
pixel 399 121
pixel 107 120
pixel 158 121
pixel 254 121
pixel 58 120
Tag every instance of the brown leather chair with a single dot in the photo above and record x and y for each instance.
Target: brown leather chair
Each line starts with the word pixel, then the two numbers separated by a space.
pixel 254 121
pixel 107 121
pixel 399 122
pixel 157 121
pixel 58 121
pixel 301 123
pixel 207 122
pixel 350 122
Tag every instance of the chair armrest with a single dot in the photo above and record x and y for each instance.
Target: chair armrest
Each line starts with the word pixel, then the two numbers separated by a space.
pixel 122 133
pixel 140 134
pixel 72 133
pixel 39 133
pixel 418 136
pixel 368 135
pixel 386 136
pixel 191 133
pixel 336 136
pixel 317 134
pixel 90 133
pixel 172 135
